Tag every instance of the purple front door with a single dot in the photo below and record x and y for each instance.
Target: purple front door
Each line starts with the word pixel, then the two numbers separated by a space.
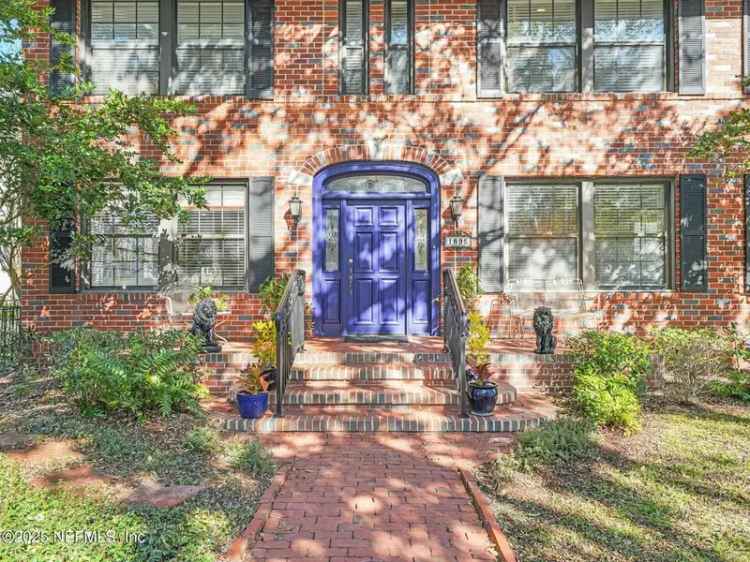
pixel 375 250
pixel 375 267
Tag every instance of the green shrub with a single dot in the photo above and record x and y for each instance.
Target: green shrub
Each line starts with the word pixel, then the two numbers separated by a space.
pixel 609 401
pixel 479 337
pixel 691 358
pixel 142 373
pixel 736 385
pixel 252 458
pixel 202 440
pixel 559 443
pixel 264 345
pixel 203 293
pixel 468 285
pixel 609 377
pixel 271 291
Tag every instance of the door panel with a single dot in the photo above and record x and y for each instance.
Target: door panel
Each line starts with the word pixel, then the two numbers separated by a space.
pixel 376 266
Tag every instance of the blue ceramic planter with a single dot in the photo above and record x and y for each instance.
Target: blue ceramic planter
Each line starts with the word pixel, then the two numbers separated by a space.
pixel 483 397
pixel 252 406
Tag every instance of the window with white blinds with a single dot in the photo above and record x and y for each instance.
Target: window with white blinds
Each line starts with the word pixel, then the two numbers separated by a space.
pixel 213 241
pixel 541 45
pixel 210 47
pixel 123 256
pixel 353 47
pixel 398 59
pixel 630 45
pixel 124 46
pixel 542 231
pixel 630 226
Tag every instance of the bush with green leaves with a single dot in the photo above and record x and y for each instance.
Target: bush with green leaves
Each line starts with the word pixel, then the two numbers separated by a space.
pixel 252 458
pixel 735 384
pixel 468 285
pixel 271 291
pixel 203 440
pixel 609 378
pixel 264 344
pixel 560 443
pixel 691 359
pixel 479 337
pixel 143 373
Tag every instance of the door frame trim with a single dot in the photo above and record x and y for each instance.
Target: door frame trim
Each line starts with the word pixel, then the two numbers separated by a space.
pixel 318 250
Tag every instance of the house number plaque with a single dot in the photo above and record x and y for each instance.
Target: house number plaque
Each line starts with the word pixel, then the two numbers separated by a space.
pixel 458 242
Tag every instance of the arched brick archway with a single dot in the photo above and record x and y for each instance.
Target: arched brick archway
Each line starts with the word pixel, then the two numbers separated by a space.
pixel 450 175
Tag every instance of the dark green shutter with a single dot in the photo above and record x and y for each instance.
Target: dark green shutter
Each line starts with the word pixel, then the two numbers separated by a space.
pixel 260 34
pixel 260 232
pixel 491 232
pixel 490 48
pixel 62 276
pixel 693 233
pixel 747 234
pixel 62 20
pixel 353 47
pixel 692 45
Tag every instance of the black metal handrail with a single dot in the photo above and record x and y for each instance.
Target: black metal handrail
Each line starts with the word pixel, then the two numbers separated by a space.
pixel 455 334
pixel 290 333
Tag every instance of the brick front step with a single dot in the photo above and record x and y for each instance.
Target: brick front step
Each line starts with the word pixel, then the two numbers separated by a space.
pixel 364 373
pixel 528 411
pixel 371 357
pixel 401 393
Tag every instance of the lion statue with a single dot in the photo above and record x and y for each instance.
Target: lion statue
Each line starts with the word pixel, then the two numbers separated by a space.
pixel 204 321
pixel 544 322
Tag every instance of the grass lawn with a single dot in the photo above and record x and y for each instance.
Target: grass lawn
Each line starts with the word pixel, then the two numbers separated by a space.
pixel 123 454
pixel 677 491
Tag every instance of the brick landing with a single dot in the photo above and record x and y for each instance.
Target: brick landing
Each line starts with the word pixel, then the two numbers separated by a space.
pixel 357 498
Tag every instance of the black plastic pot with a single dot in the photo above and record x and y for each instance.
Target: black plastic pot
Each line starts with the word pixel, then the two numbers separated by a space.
pixel 483 397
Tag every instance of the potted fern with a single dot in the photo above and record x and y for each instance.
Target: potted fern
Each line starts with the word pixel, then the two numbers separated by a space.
pixel 252 398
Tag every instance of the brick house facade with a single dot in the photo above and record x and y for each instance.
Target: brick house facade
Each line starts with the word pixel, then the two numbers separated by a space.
pixel 512 142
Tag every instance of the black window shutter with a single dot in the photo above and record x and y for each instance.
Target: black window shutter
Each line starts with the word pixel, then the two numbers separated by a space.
pixel 62 20
pixel 692 44
pixel 260 34
pixel 260 232
pixel 490 48
pixel 491 232
pixel 353 47
pixel 747 234
pixel 693 264
pixel 62 275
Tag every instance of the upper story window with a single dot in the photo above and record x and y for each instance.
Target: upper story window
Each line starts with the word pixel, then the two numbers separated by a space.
pixel 630 45
pixel 353 47
pixel 125 46
pixel 216 47
pixel 399 50
pixel 542 46
pixel 573 45
pixel 210 47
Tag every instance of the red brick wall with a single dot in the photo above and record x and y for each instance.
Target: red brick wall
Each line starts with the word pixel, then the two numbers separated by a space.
pixel 308 126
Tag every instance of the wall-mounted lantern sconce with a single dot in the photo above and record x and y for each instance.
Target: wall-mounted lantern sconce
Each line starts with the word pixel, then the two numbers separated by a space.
pixel 295 209
pixel 457 207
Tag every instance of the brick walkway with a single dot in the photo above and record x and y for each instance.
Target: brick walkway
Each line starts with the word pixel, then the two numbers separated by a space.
pixel 356 498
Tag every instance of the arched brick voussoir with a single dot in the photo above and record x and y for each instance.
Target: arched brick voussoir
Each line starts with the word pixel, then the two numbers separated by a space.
pixel 450 174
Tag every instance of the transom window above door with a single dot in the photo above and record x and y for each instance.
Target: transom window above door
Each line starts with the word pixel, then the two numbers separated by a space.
pixel 377 183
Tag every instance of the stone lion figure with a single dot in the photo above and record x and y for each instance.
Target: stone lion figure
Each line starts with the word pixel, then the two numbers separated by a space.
pixel 543 324
pixel 204 321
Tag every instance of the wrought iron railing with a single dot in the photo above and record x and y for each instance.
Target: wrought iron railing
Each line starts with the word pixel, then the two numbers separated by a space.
pixel 455 333
pixel 13 339
pixel 290 333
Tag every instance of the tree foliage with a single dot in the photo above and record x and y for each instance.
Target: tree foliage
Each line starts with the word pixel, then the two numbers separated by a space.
pixel 62 160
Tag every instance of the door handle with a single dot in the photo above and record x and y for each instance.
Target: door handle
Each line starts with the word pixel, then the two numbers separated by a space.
pixel 351 275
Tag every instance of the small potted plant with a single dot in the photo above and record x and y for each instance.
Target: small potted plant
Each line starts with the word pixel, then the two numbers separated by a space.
pixel 252 399
pixel 482 391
